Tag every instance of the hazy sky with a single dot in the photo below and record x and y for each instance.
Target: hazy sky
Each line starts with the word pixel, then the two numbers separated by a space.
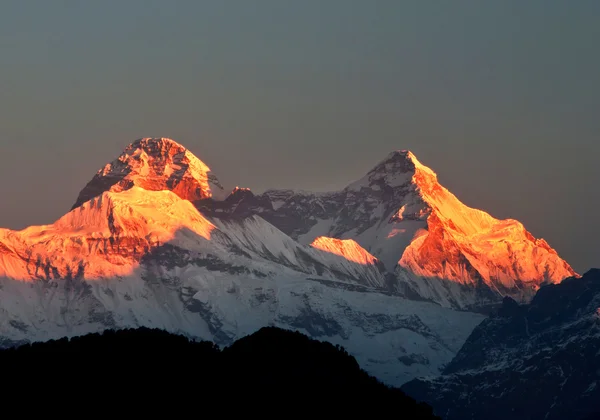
pixel 500 98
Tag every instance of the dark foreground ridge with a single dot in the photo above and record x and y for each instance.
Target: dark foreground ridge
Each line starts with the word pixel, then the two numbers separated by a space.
pixel 150 369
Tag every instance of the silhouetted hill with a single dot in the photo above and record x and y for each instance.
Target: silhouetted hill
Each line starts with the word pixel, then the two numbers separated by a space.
pixel 150 369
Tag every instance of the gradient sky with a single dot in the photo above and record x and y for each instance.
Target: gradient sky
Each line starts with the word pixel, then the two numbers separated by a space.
pixel 500 98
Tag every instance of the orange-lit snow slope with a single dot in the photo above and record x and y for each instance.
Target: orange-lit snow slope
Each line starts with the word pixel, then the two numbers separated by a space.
pixel 346 248
pixel 109 236
pixel 104 237
pixel 460 238
pixel 465 246
pixel 112 233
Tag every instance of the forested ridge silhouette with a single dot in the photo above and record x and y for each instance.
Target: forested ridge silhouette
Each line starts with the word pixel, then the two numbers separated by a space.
pixel 151 369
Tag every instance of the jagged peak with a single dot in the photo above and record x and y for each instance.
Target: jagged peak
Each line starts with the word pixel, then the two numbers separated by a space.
pixel 398 168
pixel 155 164
pixel 153 145
pixel 155 141
pixel 166 151
pixel 403 161
pixel 409 156
pixel 144 141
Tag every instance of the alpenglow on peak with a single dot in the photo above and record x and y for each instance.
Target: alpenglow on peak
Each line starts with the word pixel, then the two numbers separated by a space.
pixel 398 168
pixel 439 247
pixel 155 164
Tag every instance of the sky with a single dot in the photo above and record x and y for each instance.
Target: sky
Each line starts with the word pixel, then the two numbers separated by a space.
pixel 500 98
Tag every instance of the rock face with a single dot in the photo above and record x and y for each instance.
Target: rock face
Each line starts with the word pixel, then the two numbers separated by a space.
pixel 155 164
pixel 535 361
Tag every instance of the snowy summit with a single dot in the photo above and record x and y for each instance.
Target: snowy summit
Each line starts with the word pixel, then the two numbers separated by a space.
pixel 155 164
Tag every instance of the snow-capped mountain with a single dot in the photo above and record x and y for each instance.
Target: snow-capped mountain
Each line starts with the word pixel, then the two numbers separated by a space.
pixel 535 361
pixel 379 267
pixel 109 235
pixel 156 165
pixel 437 247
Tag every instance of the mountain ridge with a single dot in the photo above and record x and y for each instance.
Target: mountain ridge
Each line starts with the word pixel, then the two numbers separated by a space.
pixel 404 221
pixel 375 261
pixel 399 213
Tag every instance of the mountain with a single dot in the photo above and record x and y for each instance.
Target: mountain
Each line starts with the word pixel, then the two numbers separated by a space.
pixel 534 361
pixel 437 247
pixel 272 362
pixel 153 240
pixel 155 165
pixel 111 234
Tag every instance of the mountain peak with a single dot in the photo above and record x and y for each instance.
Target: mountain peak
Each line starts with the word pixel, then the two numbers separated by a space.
pixel 438 246
pixel 155 164
pixel 406 161
pixel 398 168
pixel 157 147
pixel 401 154
pixel 156 141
